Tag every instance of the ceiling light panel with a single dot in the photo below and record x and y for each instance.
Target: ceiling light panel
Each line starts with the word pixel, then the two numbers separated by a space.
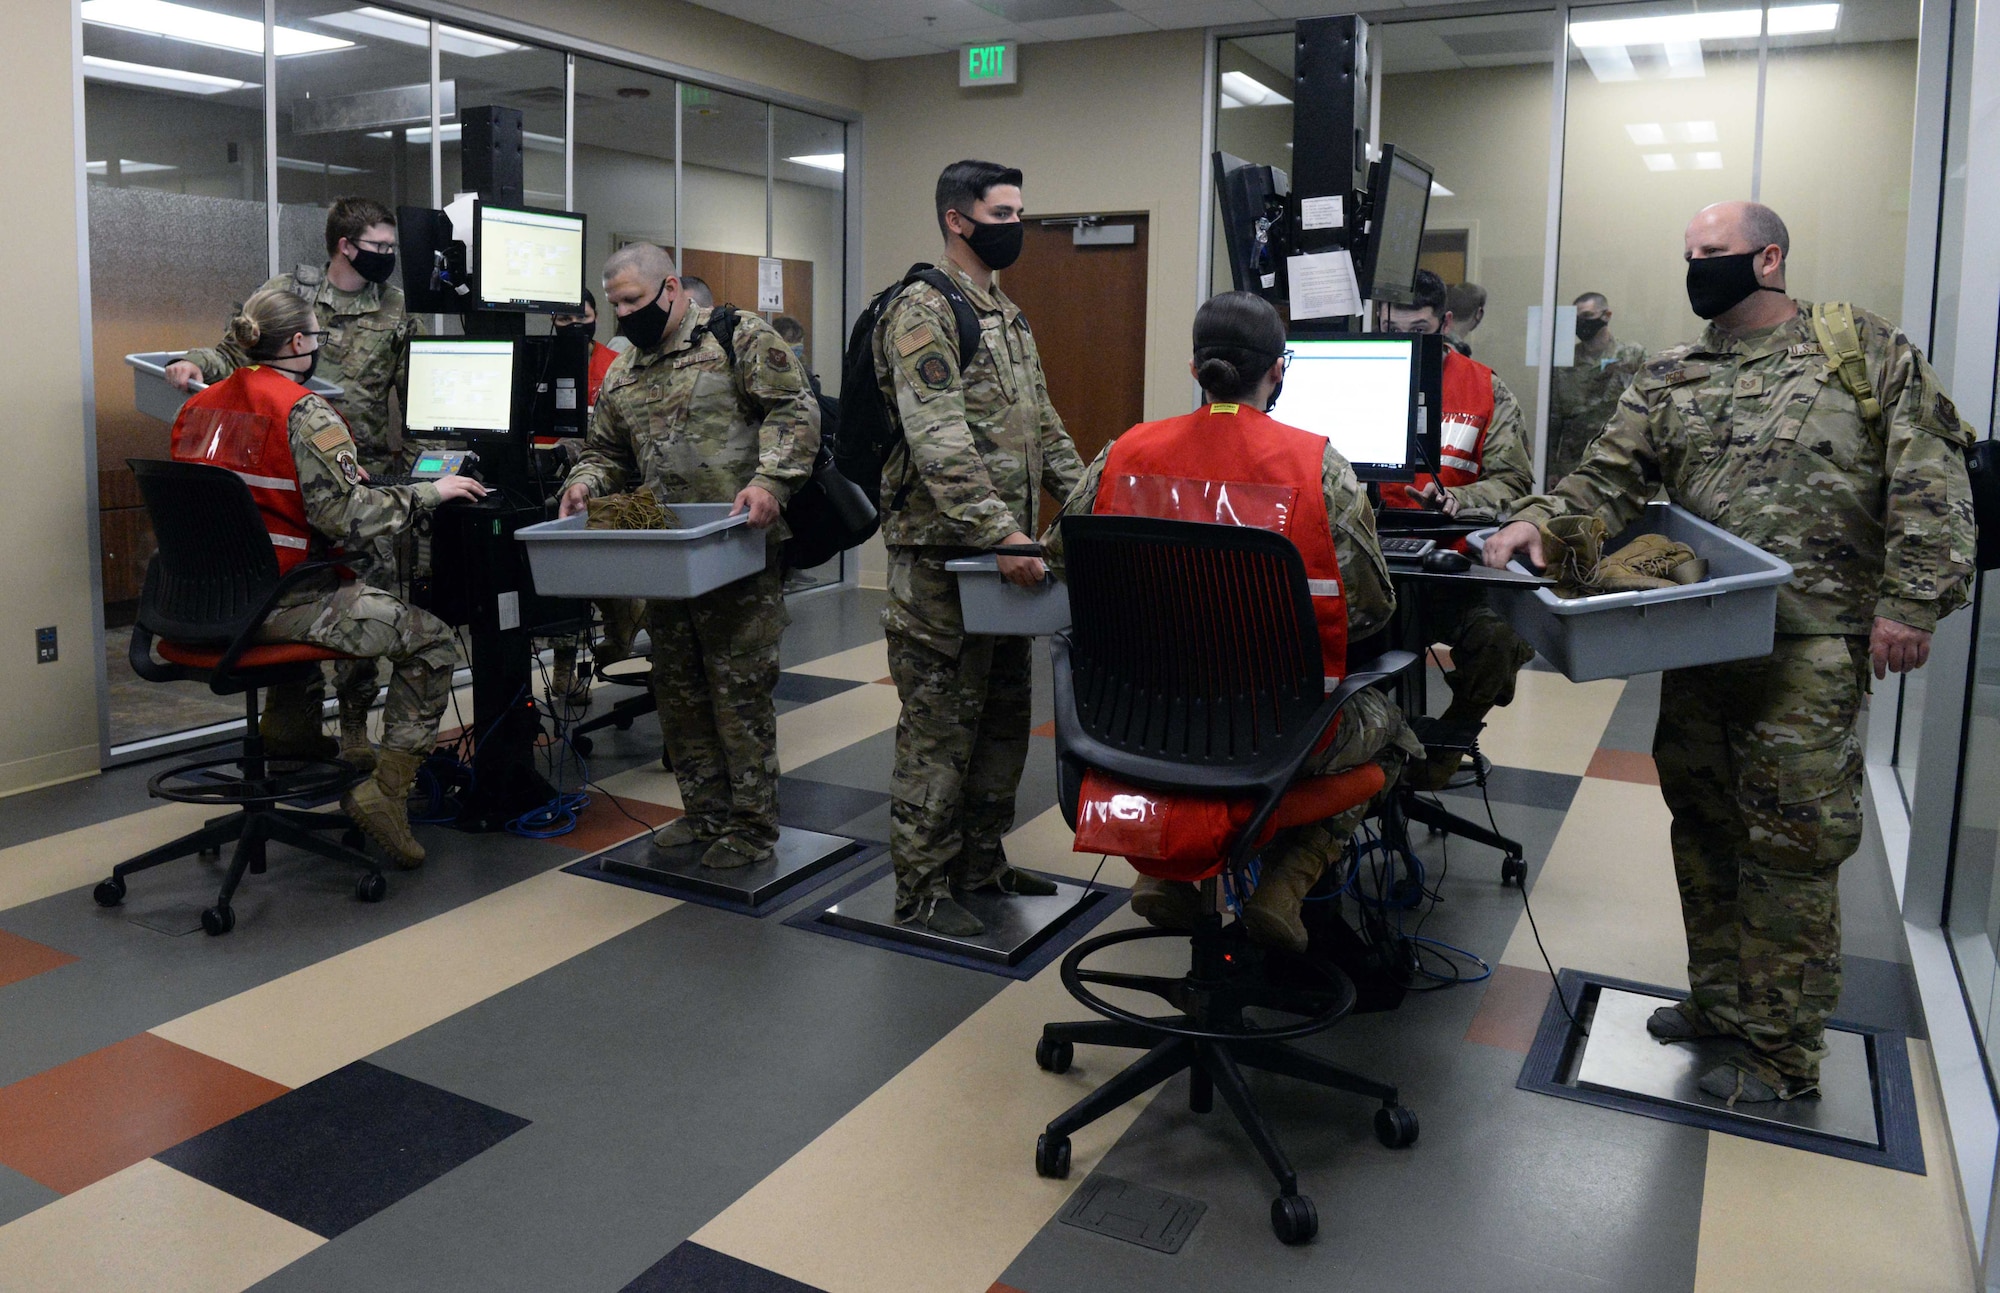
pixel 406 30
pixel 1660 161
pixel 205 27
pixel 1708 161
pixel 822 161
pixel 1647 134
pixel 149 77
pixel 1241 90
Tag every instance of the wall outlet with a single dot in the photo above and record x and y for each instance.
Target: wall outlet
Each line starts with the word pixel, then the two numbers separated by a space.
pixel 45 645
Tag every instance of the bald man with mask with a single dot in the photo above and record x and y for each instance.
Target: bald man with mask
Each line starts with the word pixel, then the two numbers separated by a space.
pixel 1750 428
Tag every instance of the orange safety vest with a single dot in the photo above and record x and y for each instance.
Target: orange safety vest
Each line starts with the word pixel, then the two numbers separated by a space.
pixel 243 423
pixel 1468 412
pixel 601 358
pixel 1251 470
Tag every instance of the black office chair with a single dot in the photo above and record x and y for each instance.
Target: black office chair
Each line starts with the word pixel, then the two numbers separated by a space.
pixel 207 592
pixel 1193 666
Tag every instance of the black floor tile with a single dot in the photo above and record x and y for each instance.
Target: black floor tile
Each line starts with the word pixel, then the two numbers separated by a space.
pixel 822 805
pixel 1523 786
pixel 335 1152
pixel 691 1268
pixel 805 688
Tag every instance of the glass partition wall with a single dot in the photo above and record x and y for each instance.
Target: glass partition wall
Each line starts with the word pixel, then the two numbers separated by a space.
pixel 211 161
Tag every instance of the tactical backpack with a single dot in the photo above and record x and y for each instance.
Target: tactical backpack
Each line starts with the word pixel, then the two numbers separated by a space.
pixel 829 513
pixel 869 429
pixel 1840 341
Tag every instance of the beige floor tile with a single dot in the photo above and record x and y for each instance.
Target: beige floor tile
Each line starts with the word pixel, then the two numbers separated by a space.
pixel 315 1020
pixel 1780 1219
pixel 148 1228
pixel 828 726
pixel 929 1185
pixel 866 663
pixel 56 863
pixel 1042 843
pixel 1553 725
pixel 648 781
pixel 1606 899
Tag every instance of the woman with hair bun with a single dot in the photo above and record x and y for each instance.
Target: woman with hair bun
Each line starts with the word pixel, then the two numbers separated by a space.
pixel 1229 463
pixel 299 460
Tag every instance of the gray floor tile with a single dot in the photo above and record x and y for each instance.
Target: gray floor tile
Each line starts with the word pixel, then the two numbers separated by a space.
pixel 864 765
pixel 828 623
pixel 19 1195
pixel 1631 725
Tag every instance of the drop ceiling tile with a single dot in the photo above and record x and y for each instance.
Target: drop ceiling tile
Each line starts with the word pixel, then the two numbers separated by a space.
pixel 892 47
pixel 1321 8
pixel 829 28
pixel 1102 24
pixel 1199 13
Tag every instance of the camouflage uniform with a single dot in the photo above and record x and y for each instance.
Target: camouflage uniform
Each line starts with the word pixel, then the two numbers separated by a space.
pixel 692 431
pixel 1372 727
pixel 1759 763
pixel 366 353
pixel 982 444
pixel 345 615
pixel 1582 398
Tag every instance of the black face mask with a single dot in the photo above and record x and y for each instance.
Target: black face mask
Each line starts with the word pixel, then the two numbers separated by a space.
pixel 996 245
pixel 1588 328
pixel 1718 284
pixel 645 326
pixel 375 266
pixel 312 362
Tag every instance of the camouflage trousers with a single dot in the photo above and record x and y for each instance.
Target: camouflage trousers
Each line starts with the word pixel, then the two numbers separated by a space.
pixel 371 624
pixel 1372 729
pixel 1761 769
pixel 1486 654
pixel 715 672
pixel 355 682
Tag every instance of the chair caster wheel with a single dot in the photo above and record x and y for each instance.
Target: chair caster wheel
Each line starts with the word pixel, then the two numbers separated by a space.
pixel 1294 1219
pixel 1053 1056
pixel 1514 871
pixel 623 725
pixel 1052 1157
pixel 211 853
pixel 581 744
pixel 352 838
pixel 218 920
pixel 109 893
pixel 371 887
pixel 1396 1126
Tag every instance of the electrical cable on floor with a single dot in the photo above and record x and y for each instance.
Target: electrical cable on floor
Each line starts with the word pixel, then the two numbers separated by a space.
pixel 1533 928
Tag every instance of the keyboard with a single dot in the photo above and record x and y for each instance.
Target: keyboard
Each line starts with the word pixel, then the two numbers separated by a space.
pixel 386 480
pixel 1403 548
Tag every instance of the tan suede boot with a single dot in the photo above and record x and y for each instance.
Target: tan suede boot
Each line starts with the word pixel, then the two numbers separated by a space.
pixel 1271 913
pixel 355 747
pixel 1650 561
pixel 1574 545
pixel 1166 904
pixel 380 807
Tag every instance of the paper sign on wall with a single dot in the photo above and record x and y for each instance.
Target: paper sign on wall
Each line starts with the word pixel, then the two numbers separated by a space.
pixel 1323 285
pixel 1565 339
pixel 770 283
pixel 1320 213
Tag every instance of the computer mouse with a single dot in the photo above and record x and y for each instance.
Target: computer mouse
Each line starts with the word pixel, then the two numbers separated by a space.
pixel 1443 561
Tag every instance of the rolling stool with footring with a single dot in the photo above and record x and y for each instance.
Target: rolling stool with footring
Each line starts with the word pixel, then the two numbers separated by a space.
pixel 1148 692
pixel 207 592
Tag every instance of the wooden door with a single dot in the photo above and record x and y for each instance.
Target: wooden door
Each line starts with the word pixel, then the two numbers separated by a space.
pixel 1087 306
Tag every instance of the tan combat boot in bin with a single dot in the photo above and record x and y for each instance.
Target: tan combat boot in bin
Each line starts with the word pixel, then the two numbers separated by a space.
pixel 1574 544
pixel 380 807
pixel 1650 561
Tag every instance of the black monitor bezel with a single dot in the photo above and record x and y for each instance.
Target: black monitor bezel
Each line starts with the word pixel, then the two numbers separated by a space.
pixel 478 245
pixel 1413 456
pixel 468 433
pixel 1371 248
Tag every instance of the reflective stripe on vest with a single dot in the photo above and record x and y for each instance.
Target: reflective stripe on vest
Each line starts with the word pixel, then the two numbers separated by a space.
pixel 1254 471
pixel 243 424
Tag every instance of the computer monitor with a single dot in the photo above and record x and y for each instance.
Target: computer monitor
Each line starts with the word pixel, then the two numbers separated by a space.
pixel 1359 391
pixel 1245 193
pixel 1400 195
pixel 528 259
pixel 460 387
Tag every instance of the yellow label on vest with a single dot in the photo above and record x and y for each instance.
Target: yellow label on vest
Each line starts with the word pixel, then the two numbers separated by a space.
pixel 916 339
pixel 1225 408
pixel 330 438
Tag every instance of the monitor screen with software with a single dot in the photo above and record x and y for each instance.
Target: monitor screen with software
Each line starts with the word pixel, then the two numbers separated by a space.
pixel 529 259
pixel 460 387
pixel 1401 197
pixel 1360 392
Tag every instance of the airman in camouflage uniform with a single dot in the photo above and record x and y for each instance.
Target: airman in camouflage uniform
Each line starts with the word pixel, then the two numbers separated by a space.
pixel 1583 396
pixel 1759 763
pixel 366 353
pixel 983 441
pixel 676 417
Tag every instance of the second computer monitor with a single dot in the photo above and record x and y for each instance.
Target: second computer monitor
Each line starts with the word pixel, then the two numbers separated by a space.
pixel 460 388
pixel 528 259
pixel 1360 392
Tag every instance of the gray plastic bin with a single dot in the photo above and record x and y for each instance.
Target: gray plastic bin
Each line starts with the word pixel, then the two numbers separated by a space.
pixel 1729 616
pixel 712 548
pixel 992 606
pixel 155 396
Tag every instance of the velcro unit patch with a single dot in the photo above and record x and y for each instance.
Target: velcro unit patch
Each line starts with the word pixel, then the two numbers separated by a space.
pixel 916 339
pixel 330 438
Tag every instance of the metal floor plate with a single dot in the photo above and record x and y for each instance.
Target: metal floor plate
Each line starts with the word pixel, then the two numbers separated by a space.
pixel 1015 927
pixel 1620 1056
pixel 801 855
pixel 1138 1214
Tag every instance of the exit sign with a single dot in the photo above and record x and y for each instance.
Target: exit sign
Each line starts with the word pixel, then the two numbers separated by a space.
pixel 995 64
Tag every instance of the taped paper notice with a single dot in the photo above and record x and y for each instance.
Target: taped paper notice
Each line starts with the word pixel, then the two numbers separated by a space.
pixel 1323 285
pixel 770 283
pixel 1320 213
